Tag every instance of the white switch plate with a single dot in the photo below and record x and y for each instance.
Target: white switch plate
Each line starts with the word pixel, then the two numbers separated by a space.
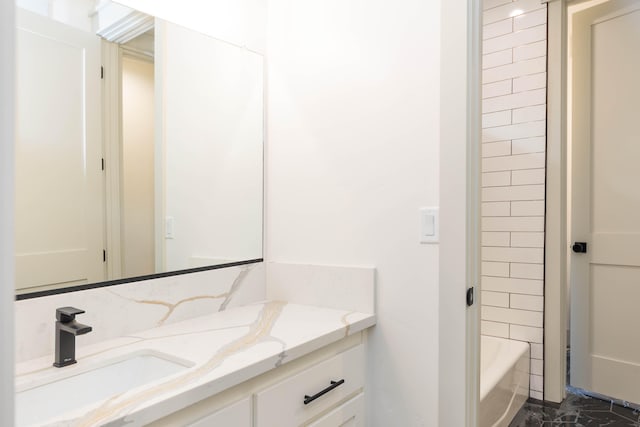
pixel 429 225
pixel 169 227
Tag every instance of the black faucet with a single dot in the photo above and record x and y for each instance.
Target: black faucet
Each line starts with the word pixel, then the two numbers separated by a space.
pixel 66 330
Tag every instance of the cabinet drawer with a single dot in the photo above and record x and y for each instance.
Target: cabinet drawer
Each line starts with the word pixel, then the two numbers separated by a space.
pixel 349 414
pixel 282 405
pixel 236 415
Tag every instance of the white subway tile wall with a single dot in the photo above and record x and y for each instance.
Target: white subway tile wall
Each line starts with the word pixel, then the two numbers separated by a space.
pixel 513 175
pixel 496 299
pixel 496 89
pixel 536 394
pixel 528 145
pixel 534 81
pixel 496 269
pixel 494 149
pixel 495 329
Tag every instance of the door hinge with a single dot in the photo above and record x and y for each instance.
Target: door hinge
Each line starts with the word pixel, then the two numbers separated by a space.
pixel 104 255
pixel 101 72
pixel 102 163
pixel 470 297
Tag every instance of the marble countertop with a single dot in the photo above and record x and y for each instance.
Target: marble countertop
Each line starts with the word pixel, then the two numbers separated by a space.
pixel 224 349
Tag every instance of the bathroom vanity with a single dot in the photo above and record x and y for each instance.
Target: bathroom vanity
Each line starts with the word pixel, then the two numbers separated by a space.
pixel 271 344
pixel 266 364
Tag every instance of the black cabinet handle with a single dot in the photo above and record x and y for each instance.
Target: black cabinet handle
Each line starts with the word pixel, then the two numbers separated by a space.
pixel 334 384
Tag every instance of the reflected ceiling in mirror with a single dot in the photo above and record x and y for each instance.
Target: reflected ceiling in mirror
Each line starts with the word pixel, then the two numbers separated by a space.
pixel 138 158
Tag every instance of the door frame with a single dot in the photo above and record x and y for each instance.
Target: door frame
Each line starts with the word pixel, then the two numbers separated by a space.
pixel 7 190
pixel 112 137
pixel 556 246
pixel 112 54
pixel 459 250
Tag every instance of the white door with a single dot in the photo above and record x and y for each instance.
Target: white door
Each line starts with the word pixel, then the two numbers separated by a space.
pixel 605 126
pixel 59 182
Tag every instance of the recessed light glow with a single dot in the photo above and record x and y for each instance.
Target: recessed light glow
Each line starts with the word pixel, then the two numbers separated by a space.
pixel 516 12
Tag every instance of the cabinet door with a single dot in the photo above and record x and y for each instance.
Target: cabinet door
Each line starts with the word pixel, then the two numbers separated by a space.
pixel 349 414
pixel 236 415
pixel 322 386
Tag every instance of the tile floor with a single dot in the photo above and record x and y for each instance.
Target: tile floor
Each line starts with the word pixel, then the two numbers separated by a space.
pixel 577 410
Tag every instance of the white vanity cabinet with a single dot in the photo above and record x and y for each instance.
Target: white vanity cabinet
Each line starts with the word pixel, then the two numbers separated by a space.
pixel 236 415
pixel 322 386
pixel 277 398
pixel 349 414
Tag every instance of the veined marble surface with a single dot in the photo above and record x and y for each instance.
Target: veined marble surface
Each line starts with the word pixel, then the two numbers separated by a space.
pixel 331 286
pixel 227 348
pixel 115 311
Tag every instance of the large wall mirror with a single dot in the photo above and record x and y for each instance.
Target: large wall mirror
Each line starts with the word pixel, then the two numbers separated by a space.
pixel 139 151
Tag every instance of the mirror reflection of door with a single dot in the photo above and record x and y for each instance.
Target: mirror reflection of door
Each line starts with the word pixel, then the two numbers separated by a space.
pixel 170 133
pixel 59 178
pixel 605 199
pixel 137 169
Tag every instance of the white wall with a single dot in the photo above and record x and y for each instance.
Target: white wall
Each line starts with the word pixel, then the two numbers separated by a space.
pixel 352 154
pixel 7 260
pixel 240 22
pixel 70 12
pixel 213 167
pixel 513 179
pixel 138 243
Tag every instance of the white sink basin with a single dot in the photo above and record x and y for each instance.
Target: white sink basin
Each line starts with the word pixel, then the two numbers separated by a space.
pixel 83 387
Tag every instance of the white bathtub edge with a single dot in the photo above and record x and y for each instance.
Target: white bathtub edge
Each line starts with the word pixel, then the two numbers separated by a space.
pixel 504 380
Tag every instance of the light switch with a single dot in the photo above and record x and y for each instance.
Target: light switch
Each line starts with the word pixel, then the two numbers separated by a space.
pixel 168 230
pixel 429 222
pixel 428 225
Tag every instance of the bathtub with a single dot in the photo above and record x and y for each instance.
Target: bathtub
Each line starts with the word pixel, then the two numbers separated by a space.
pixel 504 380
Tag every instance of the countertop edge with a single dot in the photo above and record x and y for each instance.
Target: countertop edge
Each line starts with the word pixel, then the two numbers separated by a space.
pixel 198 393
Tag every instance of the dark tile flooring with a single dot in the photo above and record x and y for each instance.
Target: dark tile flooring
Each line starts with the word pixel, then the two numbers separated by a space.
pixel 575 411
